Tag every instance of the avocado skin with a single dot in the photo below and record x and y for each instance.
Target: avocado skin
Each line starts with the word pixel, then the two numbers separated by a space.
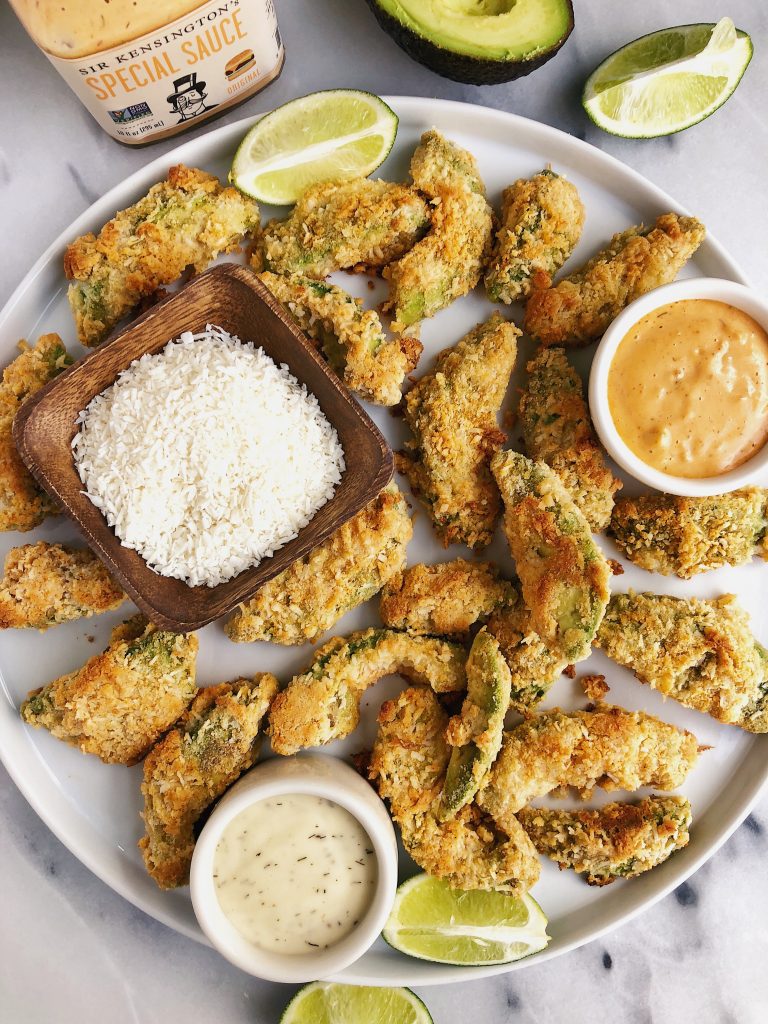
pixel 461 67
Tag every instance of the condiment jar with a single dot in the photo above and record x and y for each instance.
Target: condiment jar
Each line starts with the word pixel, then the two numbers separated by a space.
pixel 149 69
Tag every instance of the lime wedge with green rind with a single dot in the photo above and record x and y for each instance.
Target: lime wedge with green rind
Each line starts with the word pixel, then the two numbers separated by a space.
pixel 667 81
pixel 333 135
pixel 431 921
pixel 324 1002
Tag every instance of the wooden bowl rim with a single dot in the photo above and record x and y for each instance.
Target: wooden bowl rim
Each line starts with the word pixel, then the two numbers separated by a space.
pixel 103 540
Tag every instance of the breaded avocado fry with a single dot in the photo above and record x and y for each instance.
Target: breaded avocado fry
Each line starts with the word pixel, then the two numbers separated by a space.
pixel 563 573
pixel 45 584
pixel 351 338
pixel 215 741
pixel 475 735
pixel 579 308
pixel 23 505
pixel 450 260
pixel 607 747
pixel 408 766
pixel 620 840
pixel 541 222
pixel 120 702
pixel 684 536
pixel 322 704
pixel 534 666
pixel 345 570
pixel 186 220
pixel 443 599
pixel 452 412
pixel 700 653
pixel 340 225
pixel 557 429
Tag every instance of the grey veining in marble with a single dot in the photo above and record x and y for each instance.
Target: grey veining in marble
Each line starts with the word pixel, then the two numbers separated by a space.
pixel 71 950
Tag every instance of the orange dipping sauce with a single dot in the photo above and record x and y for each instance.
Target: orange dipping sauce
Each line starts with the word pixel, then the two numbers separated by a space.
pixel 688 388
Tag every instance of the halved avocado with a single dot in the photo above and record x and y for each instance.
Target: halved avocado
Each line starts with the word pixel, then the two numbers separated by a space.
pixel 480 42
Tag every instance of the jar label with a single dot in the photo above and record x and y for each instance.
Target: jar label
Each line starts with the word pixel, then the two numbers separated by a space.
pixel 165 81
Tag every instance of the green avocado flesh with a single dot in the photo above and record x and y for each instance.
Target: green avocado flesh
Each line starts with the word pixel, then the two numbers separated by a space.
pixel 480 41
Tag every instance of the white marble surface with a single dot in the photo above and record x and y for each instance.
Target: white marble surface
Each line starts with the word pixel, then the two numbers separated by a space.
pixel 73 951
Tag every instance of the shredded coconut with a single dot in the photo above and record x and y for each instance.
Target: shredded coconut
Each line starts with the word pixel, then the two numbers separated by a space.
pixel 207 457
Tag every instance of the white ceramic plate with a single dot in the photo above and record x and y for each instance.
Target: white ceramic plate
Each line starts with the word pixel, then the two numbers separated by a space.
pixel 94 808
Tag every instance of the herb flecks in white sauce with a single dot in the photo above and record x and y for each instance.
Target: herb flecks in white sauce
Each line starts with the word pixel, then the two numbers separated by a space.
pixel 294 873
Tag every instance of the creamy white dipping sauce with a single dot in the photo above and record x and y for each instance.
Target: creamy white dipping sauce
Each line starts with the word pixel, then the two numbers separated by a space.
pixel 294 873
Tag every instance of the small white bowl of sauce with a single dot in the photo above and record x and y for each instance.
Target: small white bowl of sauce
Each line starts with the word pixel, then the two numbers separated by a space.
pixel 295 872
pixel 679 388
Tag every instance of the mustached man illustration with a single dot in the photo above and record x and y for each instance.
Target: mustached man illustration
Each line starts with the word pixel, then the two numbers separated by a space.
pixel 188 99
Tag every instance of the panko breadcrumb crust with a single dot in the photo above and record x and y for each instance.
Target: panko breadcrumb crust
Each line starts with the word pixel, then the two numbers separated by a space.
pixel 444 599
pixel 348 568
pixel 23 504
pixel 680 536
pixel 350 337
pixel 323 703
pixel 475 734
pixel 557 429
pixel 607 747
pixel 541 222
pixel 563 573
pixel 620 840
pixel 186 220
pixel 408 766
pixel 578 309
pixel 45 584
pixel 120 702
pixel 214 742
pixel 452 413
pixel 450 260
pixel 340 225
pixel 699 652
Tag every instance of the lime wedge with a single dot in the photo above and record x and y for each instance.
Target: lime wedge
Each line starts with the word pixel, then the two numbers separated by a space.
pixel 323 1002
pixel 668 80
pixel 337 134
pixel 431 921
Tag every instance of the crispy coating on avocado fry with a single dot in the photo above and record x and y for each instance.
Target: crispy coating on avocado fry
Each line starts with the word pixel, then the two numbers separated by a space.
pixel 579 308
pixel 534 666
pixel 563 573
pixel 684 536
pixel 700 653
pixel 452 414
pixel 215 741
pixel 120 702
pixel 188 219
pixel 351 338
pixel 541 222
pixel 607 747
pixel 475 734
pixel 339 225
pixel 45 584
pixel 443 599
pixel 557 429
pixel 348 568
pixel 322 704
pixel 408 766
pixel 24 505
pixel 620 840
pixel 450 260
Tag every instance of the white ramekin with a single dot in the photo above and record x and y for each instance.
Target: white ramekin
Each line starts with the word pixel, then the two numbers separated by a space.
pixel 316 775
pixel 738 295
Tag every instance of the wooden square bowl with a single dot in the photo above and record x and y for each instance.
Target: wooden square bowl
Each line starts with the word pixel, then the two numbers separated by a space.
pixel 232 297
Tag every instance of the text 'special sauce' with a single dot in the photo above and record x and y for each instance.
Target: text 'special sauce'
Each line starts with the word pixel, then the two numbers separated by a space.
pixel 294 873
pixel 688 388
pixel 149 69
